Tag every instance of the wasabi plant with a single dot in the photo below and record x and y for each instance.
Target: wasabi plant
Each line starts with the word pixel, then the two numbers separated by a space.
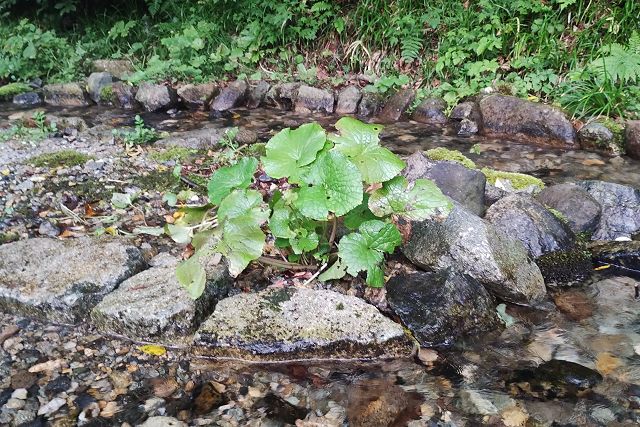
pixel 323 180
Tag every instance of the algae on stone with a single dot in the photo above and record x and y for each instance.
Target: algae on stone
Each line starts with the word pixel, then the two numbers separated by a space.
pixel 441 153
pixel 9 90
pixel 519 181
pixel 65 158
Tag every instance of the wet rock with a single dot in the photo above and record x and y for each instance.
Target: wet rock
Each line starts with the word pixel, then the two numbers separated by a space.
pixel 163 422
pixel 311 99
pixel 197 96
pixel 62 280
pixel 431 111
pixel 574 304
pixel 58 385
pixel 508 116
pixel 232 96
pixel 618 254
pixel 208 398
pixel 580 209
pixel 348 100
pixel 565 268
pixel 620 204
pixel 555 379
pixel 28 98
pixel 598 137
pixel 439 308
pixel 484 402
pixel 396 106
pixel 378 402
pixel 123 95
pixel 257 94
pixel 96 83
pixel 156 97
pixel 282 96
pixel 492 194
pixel 278 409
pixel 472 245
pixel 52 406
pixel 370 104
pixel 195 139
pixel 65 95
pixel 468 118
pixel 152 305
pixel 119 68
pixel 464 185
pixel 522 217
pixel 632 138
pixel 272 325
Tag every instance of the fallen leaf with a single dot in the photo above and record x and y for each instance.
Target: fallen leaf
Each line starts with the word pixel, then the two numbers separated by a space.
pixel 109 410
pixel 154 350
pixel 111 230
pixel 602 267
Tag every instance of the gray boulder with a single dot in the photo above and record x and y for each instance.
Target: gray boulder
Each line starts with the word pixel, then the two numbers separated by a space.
pixel 522 217
pixel 474 246
pixel 123 95
pixel 282 96
pixel 65 95
pixel 296 323
pixel 439 308
pixel 118 68
pixel 511 117
pixel 632 138
pixel 257 94
pixel 62 281
pixel 396 106
pixel 467 117
pixel 370 104
pixel 620 209
pixel 598 137
pixel 27 98
pixel 152 305
pixel 348 100
pixel 232 96
pixel 311 99
pixel 575 203
pixel 96 83
pixel 431 111
pixel 197 96
pixel 464 185
pixel 155 97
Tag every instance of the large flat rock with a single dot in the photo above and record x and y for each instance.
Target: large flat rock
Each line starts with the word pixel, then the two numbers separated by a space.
pixel 153 306
pixel 290 324
pixel 60 280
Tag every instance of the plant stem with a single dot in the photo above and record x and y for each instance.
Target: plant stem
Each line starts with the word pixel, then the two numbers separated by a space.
pixel 285 264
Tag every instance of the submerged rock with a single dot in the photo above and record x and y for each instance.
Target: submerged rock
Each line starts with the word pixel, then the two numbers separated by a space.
pixel 28 98
pixel 598 137
pixel 508 116
pixel 60 280
pixel 348 100
pixel 474 246
pixel 397 105
pixel 197 96
pixel 287 324
pixel 632 138
pixel 431 111
pixel 464 185
pixel 522 217
pixel 580 209
pixel 467 115
pixel 152 305
pixel 620 209
pixel 65 95
pixel 311 99
pixel 96 83
pixel 439 308
pixel 155 97
pixel 230 97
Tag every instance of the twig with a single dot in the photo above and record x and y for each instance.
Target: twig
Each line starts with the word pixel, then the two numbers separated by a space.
pixel 332 237
pixel 285 264
pixel 316 274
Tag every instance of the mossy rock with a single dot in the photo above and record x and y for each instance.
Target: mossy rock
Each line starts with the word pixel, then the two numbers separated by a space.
pixel 565 268
pixel 8 91
pixel 441 153
pixel 106 94
pixel 66 158
pixel 519 181
pixel 177 153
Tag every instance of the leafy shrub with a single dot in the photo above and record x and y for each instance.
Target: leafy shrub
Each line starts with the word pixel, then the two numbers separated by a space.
pixel 141 134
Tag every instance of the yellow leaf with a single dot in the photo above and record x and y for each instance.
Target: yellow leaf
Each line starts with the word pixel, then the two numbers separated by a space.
pixel 154 350
pixel 111 230
pixel 602 267
pixel 5 172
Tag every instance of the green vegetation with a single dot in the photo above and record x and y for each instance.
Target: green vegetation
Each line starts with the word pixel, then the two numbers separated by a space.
pixel 583 54
pixel 441 153
pixel 326 176
pixel 34 129
pixel 65 158
pixel 11 89
pixel 141 134
pixel 176 153
pixel 562 217
pixel 519 181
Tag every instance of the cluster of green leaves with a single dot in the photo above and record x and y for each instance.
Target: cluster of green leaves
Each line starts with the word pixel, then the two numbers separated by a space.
pixel 32 130
pixel 141 134
pixel 326 177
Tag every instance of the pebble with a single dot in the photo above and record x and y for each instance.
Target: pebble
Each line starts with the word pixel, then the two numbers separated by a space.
pixel 14 404
pixel 20 393
pixel 8 332
pixel 52 406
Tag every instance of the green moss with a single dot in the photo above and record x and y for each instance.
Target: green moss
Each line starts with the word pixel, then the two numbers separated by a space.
pixel 519 181
pixel 59 158
pixel 158 181
pixel 618 131
pixel 8 237
pixel 8 91
pixel 176 153
pixel 441 153
pixel 558 214
pixel 106 94
pixel 562 267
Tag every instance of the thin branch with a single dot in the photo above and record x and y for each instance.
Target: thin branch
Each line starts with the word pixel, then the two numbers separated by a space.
pixel 285 264
pixel 332 237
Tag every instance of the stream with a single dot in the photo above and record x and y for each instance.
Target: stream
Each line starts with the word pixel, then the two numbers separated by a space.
pixel 575 362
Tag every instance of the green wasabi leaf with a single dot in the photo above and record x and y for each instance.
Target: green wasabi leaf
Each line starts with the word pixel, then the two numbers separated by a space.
pixel 290 150
pixel 192 276
pixel 336 271
pixel 229 178
pixel 243 202
pixel 312 203
pixel 280 220
pixel 242 242
pixel 304 241
pixel 179 233
pixel 361 213
pixel 418 201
